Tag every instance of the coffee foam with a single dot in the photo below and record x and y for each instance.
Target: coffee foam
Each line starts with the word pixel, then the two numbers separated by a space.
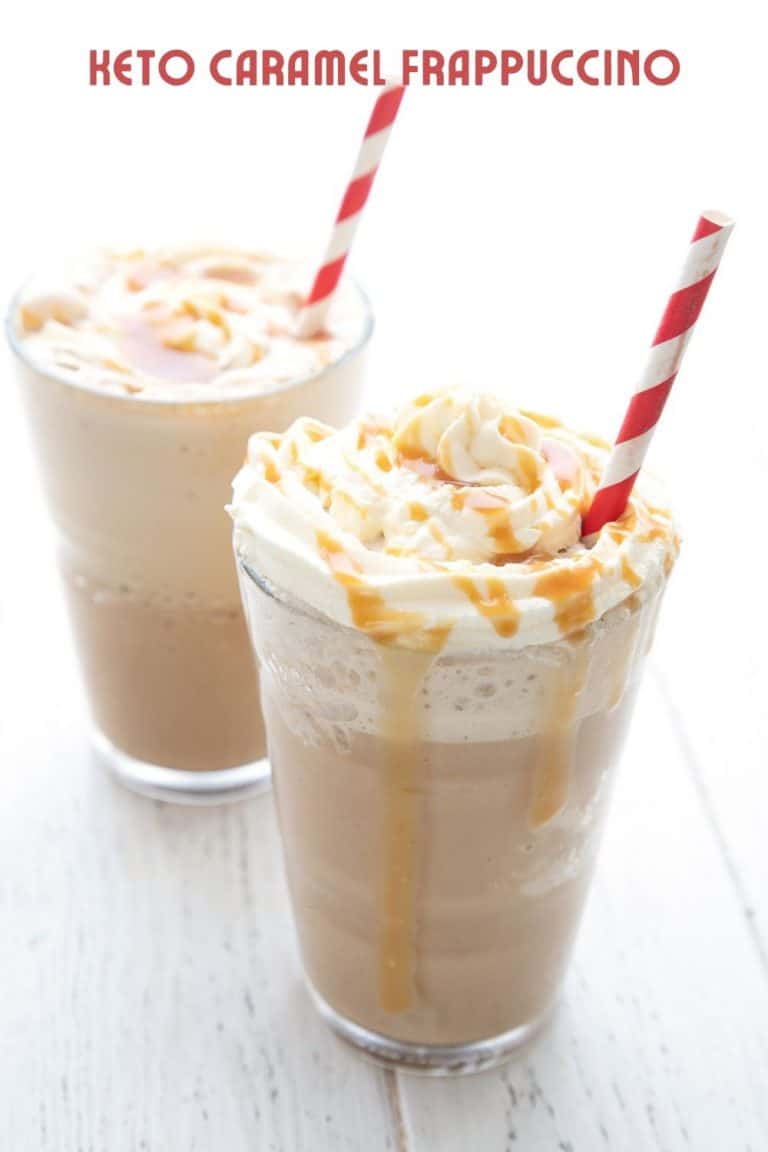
pixel 328 680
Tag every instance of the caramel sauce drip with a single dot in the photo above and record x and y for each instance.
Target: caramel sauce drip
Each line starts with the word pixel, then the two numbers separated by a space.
pixel 145 350
pixel 316 480
pixel 569 588
pixel 401 677
pixel 368 432
pixel 653 532
pixel 370 612
pixel 494 604
pixel 231 305
pixel 425 467
pixel 628 574
pixel 495 511
pixel 271 471
pixel 314 433
pixel 146 272
pixel 540 419
pixel 355 466
pixel 552 771
pixel 115 366
pixel 234 274
pixel 33 321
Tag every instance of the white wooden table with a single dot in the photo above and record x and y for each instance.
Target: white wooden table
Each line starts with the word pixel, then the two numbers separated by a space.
pixel 150 997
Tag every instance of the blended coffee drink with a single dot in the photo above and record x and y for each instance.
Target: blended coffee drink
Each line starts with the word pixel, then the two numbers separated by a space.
pixel 144 374
pixel 448 675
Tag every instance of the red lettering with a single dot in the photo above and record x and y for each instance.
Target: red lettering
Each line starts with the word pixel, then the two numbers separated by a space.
pixel 98 67
pixel 247 70
pixel 581 67
pixel 272 67
pixel 433 64
pixel 216 60
pixel 145 55
pixel 533 78
pixel 379 79
pixel 298 67
pixel 329 68
pixel 122 67
pixel 358 67
pixel 410 63
pixel 485 63
pixel 631 58
pixel 458 67
pixel 556 62
pixel 511 62
pixel 169 58
pixel 670 58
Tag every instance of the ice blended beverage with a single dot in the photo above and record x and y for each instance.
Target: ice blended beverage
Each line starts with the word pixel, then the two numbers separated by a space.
pixel 143 375
pixel 448 674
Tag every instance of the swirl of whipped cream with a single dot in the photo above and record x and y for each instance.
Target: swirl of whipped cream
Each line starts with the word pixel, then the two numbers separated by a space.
pixel 456 520
pixel 180 323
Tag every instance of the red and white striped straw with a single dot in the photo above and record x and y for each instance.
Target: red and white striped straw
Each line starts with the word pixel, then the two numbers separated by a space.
pixel 646 405
pixel 356 194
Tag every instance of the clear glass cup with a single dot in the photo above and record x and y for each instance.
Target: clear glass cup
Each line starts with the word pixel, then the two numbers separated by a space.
pixel 137 490
pixel 440 818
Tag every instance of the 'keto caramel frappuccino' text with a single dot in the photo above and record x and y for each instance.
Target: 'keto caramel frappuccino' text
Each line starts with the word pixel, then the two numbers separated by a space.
pixel 144 374
pixel 448 671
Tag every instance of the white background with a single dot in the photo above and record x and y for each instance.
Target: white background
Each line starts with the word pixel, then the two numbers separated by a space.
pixel 524 240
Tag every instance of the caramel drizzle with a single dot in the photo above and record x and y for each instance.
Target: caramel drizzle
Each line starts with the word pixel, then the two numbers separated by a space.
pixel 539 418
pixel 495 511
pixel 495 604
pixel 401 676
pixel 424 466
pixel 370 612
pixel 271 470
pixel 628 574
pixel 552 772
pixel 145 350
pixel 569 588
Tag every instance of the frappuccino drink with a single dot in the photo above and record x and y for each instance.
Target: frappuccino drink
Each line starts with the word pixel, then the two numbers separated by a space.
pixel 448 675
pixel 144 374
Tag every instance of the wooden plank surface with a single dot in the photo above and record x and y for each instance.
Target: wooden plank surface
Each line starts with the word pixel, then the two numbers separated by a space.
pixel 150 996
pixel 661 1039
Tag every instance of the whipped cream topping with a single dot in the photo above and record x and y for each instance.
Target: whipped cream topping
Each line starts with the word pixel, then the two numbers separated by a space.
pixel 181 324
pixel 454 522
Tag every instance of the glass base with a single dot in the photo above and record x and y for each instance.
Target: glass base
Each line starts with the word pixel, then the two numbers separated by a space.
pixel 181 787
pixel 429 1059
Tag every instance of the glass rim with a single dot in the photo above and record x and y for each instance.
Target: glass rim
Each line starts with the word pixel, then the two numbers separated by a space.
pixel 287 600
pixel 61 377
pixel 282 596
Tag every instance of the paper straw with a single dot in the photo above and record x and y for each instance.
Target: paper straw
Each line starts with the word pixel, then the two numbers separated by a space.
pixel 646 405
pixel 358 189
